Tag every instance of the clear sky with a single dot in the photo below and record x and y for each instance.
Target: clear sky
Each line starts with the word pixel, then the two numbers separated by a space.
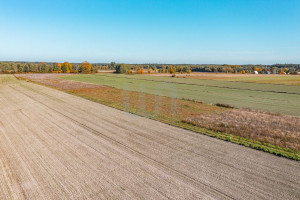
pixel 151 31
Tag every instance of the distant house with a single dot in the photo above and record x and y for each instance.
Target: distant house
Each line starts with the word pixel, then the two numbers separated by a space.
pixel 255 72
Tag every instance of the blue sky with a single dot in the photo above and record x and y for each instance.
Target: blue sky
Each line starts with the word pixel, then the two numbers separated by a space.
pixel 151 31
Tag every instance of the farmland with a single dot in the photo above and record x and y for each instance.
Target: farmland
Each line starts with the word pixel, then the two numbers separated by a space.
pixel 150 100
pixel 58 146
pixel 241 126
pixel 266 97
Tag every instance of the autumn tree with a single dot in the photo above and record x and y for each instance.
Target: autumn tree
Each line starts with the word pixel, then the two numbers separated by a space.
pixel 86 67
pixel 140 71
pixel 258 69
pixel 66 67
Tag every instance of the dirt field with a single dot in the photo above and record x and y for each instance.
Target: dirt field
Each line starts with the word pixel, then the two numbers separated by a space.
pixel 58 146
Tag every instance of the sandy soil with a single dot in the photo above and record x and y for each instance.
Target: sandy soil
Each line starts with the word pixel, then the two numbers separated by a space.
pixel 57 146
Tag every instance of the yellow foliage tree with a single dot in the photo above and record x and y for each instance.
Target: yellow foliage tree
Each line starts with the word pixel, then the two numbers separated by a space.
pixel 86 67
pixel 66 67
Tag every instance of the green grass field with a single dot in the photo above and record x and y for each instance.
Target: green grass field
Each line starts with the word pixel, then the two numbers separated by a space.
pixel 267 97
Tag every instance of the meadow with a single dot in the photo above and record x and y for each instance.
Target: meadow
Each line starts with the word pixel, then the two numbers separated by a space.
pixel 258 96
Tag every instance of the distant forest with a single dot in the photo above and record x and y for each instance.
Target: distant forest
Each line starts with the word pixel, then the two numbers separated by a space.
pixel 85 67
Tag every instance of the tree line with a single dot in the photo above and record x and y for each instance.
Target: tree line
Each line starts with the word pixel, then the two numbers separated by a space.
pixel 42 67
pixel 86 67
pixel 172 68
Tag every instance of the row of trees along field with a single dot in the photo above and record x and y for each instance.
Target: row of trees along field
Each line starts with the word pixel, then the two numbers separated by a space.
pixel 86 67
pixel 42 67
pixel 140 69
pixel 157 68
